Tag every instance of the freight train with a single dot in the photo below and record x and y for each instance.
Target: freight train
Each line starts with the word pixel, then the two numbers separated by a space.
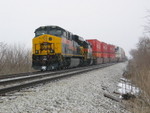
pixel 56 48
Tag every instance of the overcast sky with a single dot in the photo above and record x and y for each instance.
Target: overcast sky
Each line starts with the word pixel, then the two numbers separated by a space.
pixel 118 22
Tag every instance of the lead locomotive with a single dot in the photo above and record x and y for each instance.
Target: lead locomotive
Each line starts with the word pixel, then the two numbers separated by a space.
pixel 56 48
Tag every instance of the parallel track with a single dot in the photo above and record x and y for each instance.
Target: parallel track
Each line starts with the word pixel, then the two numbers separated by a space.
pixel 17 83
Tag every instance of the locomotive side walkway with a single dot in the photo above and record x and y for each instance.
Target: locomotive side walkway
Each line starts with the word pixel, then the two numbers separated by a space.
pixel 77 94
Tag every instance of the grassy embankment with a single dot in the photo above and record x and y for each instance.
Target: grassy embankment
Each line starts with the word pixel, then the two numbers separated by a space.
pixel 139 73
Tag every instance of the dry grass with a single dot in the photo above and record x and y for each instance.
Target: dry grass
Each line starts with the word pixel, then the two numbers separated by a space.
pixel 139 73
pixel 14 59
pixel 137 105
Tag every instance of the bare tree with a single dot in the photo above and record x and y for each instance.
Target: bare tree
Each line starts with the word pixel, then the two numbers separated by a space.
pixel 14 59
pixel 147 26
pixel 3 48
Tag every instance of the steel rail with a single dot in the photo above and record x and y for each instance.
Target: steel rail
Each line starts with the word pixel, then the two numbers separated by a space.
pixel 56 76
pixel 34 76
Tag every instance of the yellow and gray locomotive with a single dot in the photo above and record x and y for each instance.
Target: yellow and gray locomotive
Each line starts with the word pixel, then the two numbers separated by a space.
pixel 56 48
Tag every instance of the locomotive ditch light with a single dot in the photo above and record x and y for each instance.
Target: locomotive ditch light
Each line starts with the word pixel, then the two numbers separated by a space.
pixel 37 52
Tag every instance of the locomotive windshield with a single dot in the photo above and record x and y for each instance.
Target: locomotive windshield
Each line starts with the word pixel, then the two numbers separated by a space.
pixel 40 32
pixel 55 32
pixel 51 31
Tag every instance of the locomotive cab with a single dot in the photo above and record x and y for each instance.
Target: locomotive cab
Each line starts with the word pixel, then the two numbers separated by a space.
pixel 46 47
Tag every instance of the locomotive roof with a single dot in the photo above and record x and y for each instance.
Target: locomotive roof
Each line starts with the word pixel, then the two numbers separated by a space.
pixel 57 27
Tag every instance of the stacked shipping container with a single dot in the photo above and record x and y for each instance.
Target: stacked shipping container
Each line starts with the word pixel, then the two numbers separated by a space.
pixel 105 52
pixel 111 51
pixel 102 52
pixel 96 50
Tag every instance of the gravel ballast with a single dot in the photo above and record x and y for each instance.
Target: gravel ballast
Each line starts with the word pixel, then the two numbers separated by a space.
pixel 82 93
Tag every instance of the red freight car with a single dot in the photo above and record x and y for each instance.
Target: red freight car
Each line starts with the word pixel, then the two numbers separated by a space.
pixel 111 51
pixel 105 52
pixel 96 51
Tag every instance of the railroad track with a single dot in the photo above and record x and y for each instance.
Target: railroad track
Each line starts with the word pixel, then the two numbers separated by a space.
pixel 17 83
